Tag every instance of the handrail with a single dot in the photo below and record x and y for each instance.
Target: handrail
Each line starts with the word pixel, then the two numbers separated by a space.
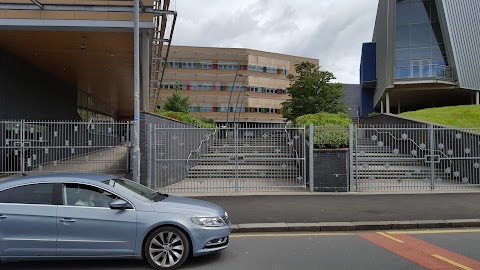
pixel 420 148
pixel 290 139
pixel 200 146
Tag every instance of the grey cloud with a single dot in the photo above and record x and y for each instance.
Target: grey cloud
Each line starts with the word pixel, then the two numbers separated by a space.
pixel 329 30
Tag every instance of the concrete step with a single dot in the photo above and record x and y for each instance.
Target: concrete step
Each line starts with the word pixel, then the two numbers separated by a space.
pixel 264 162
pixel 225 168
pixel 271 143
pixel 263 149
pixel 374 149
pixel 258 175
pixel 219 156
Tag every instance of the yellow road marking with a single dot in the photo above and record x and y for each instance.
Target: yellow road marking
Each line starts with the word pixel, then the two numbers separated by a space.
pixel 451 262
pixel 435 231
pixel 390 237
pixel 241 235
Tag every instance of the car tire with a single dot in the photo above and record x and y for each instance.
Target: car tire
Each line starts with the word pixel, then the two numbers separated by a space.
pixel 167 248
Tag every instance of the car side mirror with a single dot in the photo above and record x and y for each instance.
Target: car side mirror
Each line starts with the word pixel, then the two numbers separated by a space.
pixel 119 204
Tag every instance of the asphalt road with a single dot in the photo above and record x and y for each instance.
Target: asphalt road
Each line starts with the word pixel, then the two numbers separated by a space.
pixel 447 249
pixel 348 208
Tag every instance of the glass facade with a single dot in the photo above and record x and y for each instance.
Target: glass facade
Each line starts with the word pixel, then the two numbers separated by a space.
pixel 419 45
pixel 216 65
pixel 221 86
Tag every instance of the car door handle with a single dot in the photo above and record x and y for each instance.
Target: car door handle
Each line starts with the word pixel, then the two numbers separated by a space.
pixel 67 220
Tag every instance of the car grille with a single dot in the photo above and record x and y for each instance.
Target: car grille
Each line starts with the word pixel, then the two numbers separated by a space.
pixel 225 219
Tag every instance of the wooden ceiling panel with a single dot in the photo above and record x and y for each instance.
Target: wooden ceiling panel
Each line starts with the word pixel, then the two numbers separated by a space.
pixel 99 63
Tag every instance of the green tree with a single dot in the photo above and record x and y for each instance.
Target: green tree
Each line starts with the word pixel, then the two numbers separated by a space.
pixel 177 102
pixel 312 92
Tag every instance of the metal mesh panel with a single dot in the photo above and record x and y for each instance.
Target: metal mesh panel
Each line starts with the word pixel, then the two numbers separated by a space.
pixel 250 158
pixel 47 146
pixel 415 157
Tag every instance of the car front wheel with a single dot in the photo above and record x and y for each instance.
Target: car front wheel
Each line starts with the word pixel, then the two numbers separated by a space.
pixel 167 248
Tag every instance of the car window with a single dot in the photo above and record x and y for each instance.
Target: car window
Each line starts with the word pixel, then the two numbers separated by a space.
pixel 85 195
pixel 136 190
pixel 32 194
pixel 4 196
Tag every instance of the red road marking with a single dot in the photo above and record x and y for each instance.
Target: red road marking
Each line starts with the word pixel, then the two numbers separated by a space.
pixel 420 252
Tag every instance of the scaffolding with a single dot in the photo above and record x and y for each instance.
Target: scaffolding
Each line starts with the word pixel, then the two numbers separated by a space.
pixel 164 20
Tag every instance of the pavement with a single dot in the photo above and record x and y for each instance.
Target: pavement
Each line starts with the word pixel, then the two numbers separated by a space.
pixel 287 213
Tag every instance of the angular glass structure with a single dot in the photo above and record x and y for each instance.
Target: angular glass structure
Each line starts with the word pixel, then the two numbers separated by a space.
pixel 419 44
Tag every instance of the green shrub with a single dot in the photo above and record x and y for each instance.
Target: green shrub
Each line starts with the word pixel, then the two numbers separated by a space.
pixel 373 114
pixel 187 118
pixel 331 130
pixel 324 119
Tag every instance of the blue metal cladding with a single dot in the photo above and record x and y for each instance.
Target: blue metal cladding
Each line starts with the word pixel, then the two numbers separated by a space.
pixel 366 105
pixel 368 78
pixel 368 65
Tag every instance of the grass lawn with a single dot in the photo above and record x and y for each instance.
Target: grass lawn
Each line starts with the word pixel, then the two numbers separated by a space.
pixel 467 116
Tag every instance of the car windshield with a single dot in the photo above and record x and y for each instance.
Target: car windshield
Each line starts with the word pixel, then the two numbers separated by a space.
pixel 135 189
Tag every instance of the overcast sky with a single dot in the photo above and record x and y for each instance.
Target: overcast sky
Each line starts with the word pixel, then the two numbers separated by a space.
pixel 329 30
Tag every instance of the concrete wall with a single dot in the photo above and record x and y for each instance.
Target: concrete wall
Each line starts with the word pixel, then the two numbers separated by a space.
pixel 32 94
pixel 352 98
pixel 330 172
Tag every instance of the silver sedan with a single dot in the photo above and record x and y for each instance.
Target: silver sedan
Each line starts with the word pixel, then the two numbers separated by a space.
pixel 81 216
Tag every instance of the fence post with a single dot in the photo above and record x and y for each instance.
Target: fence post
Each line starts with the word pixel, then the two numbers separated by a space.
pixel 149 156
pixel 310 152
pixel 432 153
pixel 22 147
pixel 350 158
pixel 235 138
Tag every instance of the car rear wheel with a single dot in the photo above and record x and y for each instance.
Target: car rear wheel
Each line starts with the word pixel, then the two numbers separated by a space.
pixel 167 248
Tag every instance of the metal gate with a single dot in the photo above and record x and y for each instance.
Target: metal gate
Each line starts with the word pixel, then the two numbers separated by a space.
pixel 260 158
pixel 415 157
pixel 30 147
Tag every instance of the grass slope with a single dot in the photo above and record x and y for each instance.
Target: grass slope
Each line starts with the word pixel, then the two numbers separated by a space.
pixel 467 116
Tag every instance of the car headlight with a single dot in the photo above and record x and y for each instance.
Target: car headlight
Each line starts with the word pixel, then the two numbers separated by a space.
pixel 209 221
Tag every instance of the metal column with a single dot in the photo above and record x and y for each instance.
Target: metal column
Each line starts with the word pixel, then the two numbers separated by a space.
pixel 136 93
pixel 387 101
pixel 145 71
pixel 310 165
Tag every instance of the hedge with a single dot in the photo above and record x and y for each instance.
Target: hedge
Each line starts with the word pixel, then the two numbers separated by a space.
pixel 331 130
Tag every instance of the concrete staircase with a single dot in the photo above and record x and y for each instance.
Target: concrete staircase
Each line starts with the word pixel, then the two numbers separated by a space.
pixel 379 168
pixel 248 159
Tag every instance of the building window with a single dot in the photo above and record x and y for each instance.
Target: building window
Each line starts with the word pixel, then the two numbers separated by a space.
pixel 420 50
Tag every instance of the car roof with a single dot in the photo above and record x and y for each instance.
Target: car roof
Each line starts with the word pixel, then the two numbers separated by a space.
pixel 89 177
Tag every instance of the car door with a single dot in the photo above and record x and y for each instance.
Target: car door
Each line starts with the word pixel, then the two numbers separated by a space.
pixel 28 221
pixel 88 227
pixel 4 197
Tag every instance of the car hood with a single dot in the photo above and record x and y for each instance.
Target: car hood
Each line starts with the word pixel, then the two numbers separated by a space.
pixel 174 204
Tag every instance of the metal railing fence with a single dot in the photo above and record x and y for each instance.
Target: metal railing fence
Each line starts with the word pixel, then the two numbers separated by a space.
pixel 64 146
pixel 234 158
pixel 415 157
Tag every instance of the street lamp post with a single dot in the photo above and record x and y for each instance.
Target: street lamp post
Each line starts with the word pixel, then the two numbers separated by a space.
pixel 238 97
pixel 136 93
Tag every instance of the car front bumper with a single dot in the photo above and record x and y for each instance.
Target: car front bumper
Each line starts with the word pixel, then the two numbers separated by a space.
pixel 208 240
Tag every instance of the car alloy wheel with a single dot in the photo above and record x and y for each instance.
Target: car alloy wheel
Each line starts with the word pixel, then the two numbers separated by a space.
pixel 167 248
